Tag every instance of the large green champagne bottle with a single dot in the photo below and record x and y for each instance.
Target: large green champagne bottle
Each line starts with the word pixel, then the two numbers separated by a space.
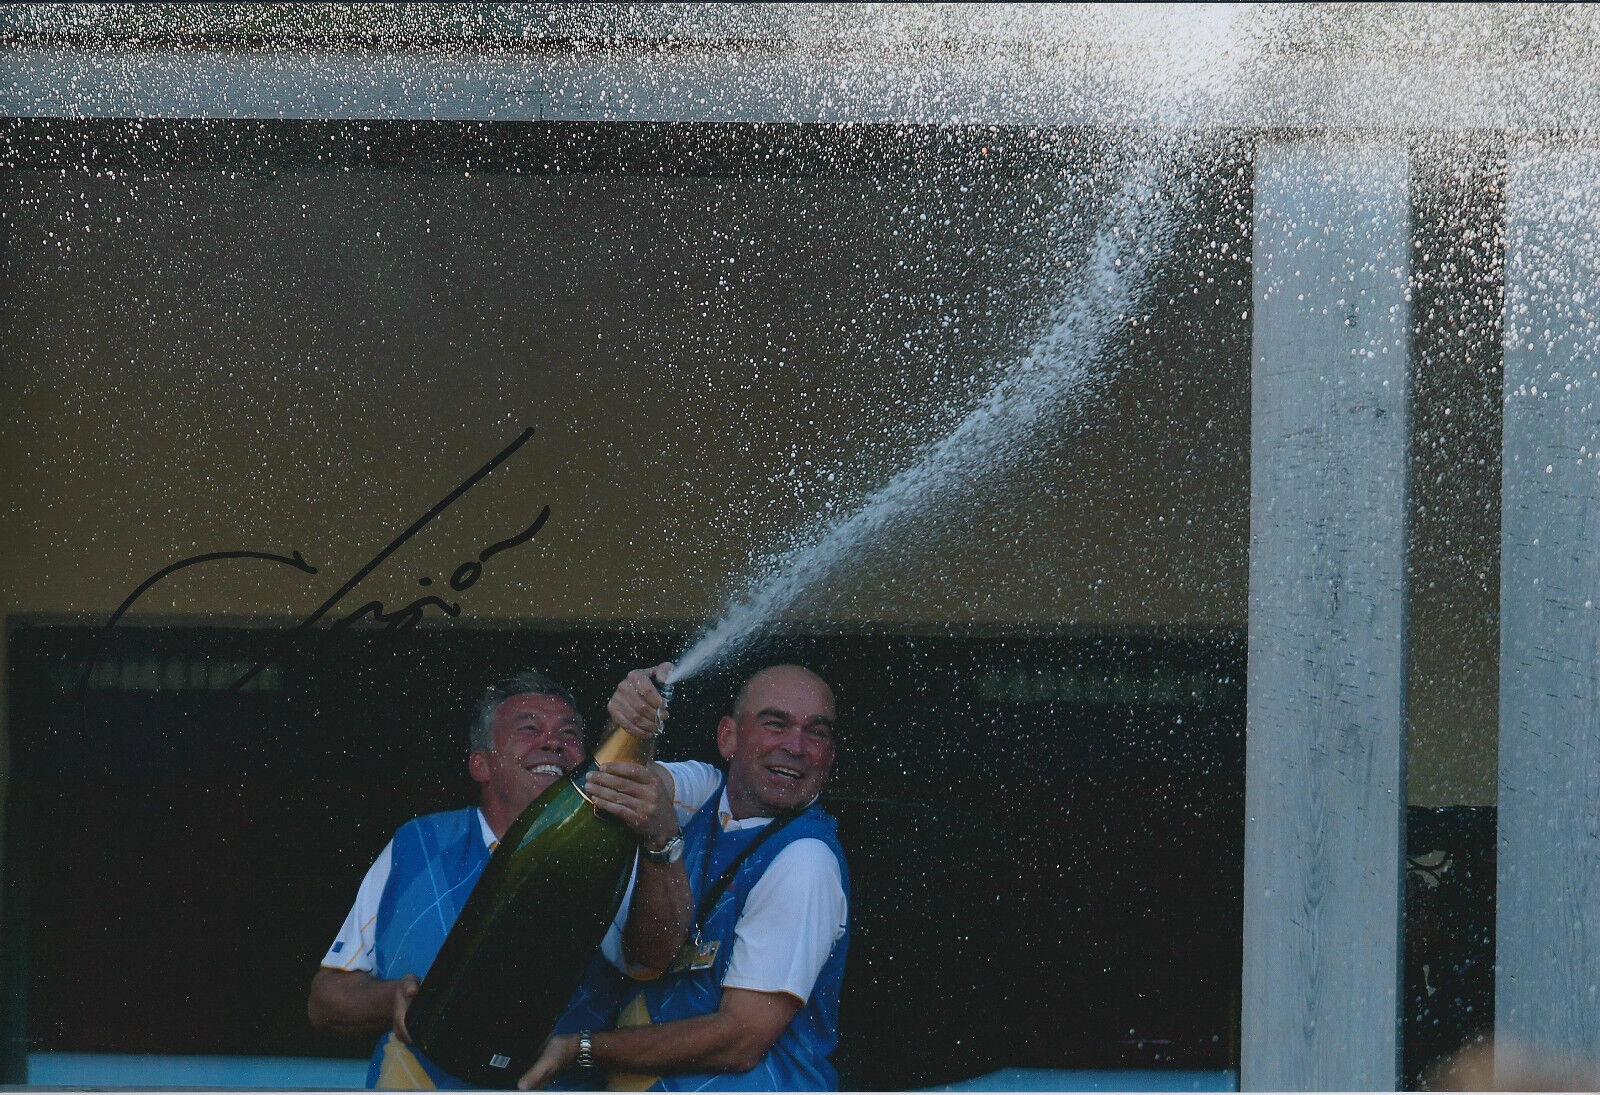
pixel 527 932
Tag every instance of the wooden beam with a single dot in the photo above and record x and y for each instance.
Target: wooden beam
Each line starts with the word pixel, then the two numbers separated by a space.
pixel 1325 753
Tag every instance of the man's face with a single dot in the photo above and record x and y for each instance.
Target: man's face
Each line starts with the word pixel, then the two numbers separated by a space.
pixel 779 744
pixel 537 740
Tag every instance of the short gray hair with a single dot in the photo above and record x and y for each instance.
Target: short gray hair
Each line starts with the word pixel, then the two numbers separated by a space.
pixel 524 682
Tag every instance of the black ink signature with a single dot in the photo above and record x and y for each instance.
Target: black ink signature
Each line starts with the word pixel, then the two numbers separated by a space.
pixel 462 579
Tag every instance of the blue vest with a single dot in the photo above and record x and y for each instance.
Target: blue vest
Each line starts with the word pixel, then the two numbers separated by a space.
pixel 435 862
pixel 798 1060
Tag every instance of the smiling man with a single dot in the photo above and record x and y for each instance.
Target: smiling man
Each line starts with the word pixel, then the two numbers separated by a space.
pixel 751 1002
pixel 525 734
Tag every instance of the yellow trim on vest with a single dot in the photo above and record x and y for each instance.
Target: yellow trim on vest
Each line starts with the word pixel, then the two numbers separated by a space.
pixel 400 1070
pixel 636 1014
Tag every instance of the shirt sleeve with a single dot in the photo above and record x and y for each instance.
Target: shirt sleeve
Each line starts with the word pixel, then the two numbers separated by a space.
pixel 693 782
pixel 352 947
pixel 794 915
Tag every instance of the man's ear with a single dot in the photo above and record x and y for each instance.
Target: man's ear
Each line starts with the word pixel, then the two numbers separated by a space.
pixel 727 736
pixel 478 765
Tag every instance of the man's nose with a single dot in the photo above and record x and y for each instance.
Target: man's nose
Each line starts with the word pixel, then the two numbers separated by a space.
pixel 552 743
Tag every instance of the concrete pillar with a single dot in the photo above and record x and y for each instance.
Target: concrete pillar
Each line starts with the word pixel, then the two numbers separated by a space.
pixel 1325 752
pixel 1547 954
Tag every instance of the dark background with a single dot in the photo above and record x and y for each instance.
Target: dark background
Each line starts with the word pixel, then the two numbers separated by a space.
pixel 1038 880
pixel 1045 835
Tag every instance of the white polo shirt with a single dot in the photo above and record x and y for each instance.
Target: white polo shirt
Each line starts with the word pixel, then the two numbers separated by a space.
pixel 794 915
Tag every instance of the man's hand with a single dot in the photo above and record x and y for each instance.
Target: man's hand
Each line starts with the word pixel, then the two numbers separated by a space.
pixel 355 1002
pixel 559 1054
pixel 636 704
pixel 734 1038
pixel 638 795
pixel 404 990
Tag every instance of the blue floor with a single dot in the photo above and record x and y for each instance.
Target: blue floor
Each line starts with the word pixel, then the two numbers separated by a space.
pixel 1094 1079
pixel 146 1071
pixel 311 1073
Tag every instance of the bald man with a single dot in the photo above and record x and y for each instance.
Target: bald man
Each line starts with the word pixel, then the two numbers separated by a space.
pixel 751 1001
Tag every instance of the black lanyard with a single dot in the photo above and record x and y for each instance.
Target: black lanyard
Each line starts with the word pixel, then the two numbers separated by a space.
pixel 710 897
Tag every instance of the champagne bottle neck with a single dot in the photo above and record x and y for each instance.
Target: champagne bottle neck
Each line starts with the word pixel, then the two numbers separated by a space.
pixel 620 745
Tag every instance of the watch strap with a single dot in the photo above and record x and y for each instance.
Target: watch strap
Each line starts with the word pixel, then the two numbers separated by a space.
pixel 670 852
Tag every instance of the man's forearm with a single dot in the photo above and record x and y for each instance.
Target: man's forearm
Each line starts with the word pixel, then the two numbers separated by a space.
pixel 706 1043
pixel 351 1002
pixel 658 918
pixel 732 1039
